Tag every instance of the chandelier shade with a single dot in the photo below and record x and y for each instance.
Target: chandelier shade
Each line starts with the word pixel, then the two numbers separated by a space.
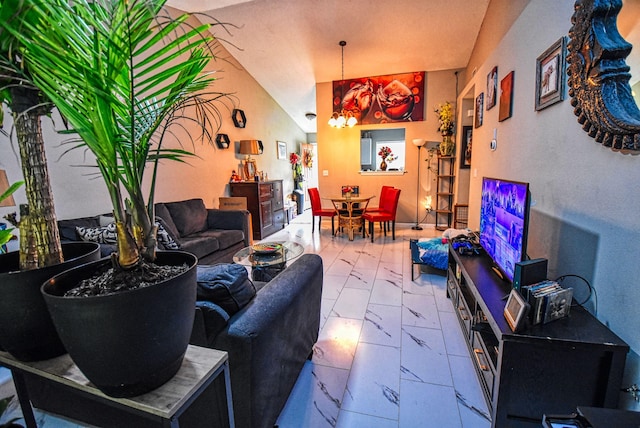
pixel 343 118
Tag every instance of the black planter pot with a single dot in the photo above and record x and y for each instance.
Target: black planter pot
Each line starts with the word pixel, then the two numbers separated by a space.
pixel 127 343
pixel 26 329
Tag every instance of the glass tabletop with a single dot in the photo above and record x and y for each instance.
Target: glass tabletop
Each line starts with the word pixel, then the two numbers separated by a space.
pixel 268 253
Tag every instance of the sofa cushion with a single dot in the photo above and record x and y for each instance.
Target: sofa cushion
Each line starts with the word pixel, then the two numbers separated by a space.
pixel 189 216
pixel 67 228
pixel 165 215
pixel 225 238
pixel 164 236
pixel 101 234
pixel 200 246
pixel 226 285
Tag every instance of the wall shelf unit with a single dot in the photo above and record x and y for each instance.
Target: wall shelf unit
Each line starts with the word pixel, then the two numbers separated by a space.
pixel 444 191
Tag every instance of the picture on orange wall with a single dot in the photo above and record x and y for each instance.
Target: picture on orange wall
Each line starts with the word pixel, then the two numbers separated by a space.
pixel 492 87
pixel 382 99
pixel 506 97
pixel 479 110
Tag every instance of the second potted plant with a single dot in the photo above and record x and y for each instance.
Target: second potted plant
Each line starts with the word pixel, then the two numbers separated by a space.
pixel 122 72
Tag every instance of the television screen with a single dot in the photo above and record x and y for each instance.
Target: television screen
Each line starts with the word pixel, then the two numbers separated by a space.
pixel 504 216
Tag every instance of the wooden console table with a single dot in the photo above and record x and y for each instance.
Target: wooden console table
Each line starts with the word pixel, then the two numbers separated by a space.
pixel 162 406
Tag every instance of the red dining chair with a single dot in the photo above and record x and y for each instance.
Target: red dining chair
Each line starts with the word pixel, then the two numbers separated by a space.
pixel 387 213
pixel 384 194
pixel 318 211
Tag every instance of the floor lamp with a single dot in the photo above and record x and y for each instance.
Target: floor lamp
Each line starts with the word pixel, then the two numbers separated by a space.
pixel 419 142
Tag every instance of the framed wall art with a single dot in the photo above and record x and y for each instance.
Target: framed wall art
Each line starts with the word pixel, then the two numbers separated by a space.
pixel 550 75
pixel 282 150
pixel 465 149
pixel 492 87
pixel 479 110
pixel 506 97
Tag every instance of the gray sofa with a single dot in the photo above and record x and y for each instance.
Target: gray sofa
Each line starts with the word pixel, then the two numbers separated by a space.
pixel 268 340
pixel 214 236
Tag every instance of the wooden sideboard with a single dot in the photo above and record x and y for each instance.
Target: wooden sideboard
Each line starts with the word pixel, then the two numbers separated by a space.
pixel 265 203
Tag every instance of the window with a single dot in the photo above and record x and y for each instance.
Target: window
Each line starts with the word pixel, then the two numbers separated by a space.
pixel 372 140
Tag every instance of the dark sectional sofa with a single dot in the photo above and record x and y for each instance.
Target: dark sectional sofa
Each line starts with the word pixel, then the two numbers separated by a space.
pixel 268 340
pixel 214 236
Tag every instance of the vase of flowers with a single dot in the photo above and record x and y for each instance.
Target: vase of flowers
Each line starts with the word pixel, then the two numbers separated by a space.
pixel 446 127
pixel 296 168
pixel 347 191
pixel 387 156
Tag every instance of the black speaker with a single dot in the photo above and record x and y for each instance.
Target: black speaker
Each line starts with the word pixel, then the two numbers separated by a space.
pixel 529 272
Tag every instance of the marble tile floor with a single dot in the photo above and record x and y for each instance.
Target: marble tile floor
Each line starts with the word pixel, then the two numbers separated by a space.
pixel 390 351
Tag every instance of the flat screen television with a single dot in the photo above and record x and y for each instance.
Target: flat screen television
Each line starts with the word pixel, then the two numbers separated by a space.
pixel 504 221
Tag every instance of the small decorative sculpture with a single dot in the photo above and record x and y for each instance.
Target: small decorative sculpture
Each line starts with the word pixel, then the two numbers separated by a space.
pixel 599 76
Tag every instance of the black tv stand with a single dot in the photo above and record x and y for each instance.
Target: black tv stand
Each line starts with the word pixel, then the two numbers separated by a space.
pixel 550 368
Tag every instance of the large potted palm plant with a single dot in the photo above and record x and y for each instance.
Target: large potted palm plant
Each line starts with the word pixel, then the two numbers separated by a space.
pixel 26 330
pixel 122 72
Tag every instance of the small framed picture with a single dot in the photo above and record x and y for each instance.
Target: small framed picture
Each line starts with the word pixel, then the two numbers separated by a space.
pixel 550 75
pixel 282 150
pixel 506 97
pixel 515 311
pixel 492 87
pixel 465 154
pixel 479 110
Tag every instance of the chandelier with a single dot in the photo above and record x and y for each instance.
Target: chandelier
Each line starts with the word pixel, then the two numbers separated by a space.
pixel 343 118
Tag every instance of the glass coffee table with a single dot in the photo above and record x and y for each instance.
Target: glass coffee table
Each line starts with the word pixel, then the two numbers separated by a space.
pixel 268 259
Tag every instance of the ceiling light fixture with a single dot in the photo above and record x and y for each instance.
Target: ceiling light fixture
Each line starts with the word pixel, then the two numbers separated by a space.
pixel 344 118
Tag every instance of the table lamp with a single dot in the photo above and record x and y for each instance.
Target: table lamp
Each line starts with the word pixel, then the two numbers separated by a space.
pixel 250 147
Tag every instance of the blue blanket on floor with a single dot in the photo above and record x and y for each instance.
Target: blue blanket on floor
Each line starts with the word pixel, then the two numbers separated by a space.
pixel 434 253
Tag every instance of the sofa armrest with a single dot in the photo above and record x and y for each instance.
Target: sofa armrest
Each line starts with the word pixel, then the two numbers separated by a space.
pixel 270 339
pixel 231 220
pixel 210 319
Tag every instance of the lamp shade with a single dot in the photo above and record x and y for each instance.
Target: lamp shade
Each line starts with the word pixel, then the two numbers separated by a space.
pixel 250 147
pixel 418 142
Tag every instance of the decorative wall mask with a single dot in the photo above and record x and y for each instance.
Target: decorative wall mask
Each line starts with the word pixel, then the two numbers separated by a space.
pixel 598 76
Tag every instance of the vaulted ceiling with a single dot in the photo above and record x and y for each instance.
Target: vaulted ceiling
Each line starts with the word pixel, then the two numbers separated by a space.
pixel 290 45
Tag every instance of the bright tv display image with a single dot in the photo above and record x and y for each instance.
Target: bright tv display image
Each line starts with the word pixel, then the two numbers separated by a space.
pixel 504 217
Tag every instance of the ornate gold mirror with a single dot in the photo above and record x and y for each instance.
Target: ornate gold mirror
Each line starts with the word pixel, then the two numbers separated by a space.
pixel 598 76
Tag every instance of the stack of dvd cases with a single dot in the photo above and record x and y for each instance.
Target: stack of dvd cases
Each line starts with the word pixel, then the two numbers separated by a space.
pixel 548 300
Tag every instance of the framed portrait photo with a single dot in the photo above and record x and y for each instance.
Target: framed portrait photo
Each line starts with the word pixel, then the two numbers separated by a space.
pixel 492 87
pixel 479 110
pixel 465 154
pixel 282 150
pixel 550 75
pixel 515 311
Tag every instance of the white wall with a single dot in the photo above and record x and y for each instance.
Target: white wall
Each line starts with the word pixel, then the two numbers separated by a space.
pixel 585 199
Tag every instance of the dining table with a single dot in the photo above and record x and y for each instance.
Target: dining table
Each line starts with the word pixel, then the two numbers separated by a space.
pixel 349 209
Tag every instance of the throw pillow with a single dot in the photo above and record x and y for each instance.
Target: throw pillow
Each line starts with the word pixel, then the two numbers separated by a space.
pixel 101 235
pixel 226 285
pixel 165 238
pixel 189 216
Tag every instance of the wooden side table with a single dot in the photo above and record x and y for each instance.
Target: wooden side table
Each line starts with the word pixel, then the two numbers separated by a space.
pixel 163 406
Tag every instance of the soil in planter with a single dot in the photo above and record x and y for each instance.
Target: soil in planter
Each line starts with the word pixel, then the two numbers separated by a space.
pixel 115 280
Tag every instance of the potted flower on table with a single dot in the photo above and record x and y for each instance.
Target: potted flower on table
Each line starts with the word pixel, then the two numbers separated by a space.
pixel 445 119
pixel 386 155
